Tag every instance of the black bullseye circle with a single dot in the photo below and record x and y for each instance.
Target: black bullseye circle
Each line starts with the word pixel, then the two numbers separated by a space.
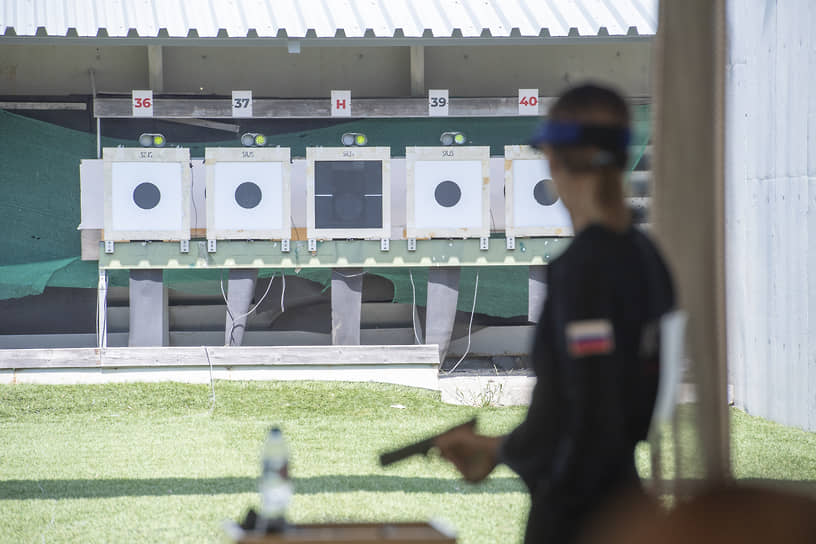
pixel 146 195
pixel 448 194
pixel 544 192
pixel 248 195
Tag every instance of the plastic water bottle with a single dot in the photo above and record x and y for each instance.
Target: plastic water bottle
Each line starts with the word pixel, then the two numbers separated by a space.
pixel 275 485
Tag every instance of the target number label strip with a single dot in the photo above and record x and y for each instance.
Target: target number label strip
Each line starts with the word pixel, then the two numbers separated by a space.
pixel 528 102
pixel 242 103
pixel 438 102
pixel 142 103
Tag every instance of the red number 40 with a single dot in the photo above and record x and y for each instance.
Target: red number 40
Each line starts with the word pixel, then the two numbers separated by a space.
pixel 529 101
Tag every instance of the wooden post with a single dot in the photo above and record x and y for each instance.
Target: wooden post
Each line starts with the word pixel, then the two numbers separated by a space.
pixel 417 70
pixel 537 292
pixel 241 290
pixel 149 317
pixel 688 200
pixel 440 311
pixel 155 68
pixel 346 302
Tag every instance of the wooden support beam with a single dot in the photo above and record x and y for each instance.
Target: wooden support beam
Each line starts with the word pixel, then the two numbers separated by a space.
pixel 537 292
pixel 440 312
pixel 346 303
pixel 241 289
pixel 149 318
pixel 155 67
pixel 688 203
pixel 417 70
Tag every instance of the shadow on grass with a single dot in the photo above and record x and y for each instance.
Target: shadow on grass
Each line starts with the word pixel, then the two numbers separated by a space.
pixel 311 485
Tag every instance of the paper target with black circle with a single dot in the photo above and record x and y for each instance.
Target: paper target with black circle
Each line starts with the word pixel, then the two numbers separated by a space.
pixel 147 194
pixel 448 194
pixel 248 193
pixel 348 192
pixel 532 205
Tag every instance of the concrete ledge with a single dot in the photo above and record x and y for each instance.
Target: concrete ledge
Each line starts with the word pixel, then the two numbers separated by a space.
pixel 487 389
pixel 415 366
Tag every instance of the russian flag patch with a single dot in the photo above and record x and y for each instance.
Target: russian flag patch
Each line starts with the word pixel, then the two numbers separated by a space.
pixel 591 337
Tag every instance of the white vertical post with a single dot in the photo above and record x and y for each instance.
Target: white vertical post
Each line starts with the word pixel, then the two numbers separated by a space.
pixel 102 309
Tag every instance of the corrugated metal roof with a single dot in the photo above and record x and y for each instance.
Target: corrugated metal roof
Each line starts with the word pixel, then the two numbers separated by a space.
pixel 327 18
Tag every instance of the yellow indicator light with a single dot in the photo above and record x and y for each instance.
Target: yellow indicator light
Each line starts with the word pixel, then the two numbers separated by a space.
pixel 158 140
pixel 360 139
pixel 260 139
pixel 459 138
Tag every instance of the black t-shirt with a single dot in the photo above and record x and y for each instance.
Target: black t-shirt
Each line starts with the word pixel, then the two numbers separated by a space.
pixel 596 359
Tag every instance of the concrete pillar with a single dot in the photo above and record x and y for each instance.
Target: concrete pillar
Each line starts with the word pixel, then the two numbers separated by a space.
pixel 440 311
pixel 346 303
pixel 241 289
pixel 537 292
pixel 149 316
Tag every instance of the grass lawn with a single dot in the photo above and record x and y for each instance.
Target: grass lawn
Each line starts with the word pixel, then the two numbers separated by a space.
pixel 159 463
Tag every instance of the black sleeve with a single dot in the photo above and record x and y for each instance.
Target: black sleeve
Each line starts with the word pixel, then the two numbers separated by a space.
pixel 593 378
pixel 528 448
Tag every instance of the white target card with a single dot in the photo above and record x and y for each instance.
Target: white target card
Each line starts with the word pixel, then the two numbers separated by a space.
pixel 348 192
pixel 532 204
pixel 147 193
pixel 248 193
pixel 448 192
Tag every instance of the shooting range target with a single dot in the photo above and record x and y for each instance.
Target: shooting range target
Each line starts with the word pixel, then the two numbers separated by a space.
pixel 348 192
pixel 147 194
pixel 447 192
pixel 248 193
pixel 532 205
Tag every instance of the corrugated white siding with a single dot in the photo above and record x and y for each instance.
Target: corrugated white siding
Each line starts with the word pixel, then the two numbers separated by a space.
pixel 771 208
pixel 329 18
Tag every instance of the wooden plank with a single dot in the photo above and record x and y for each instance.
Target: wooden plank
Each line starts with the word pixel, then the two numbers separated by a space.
pixel 333 254
pixel 215 108
pixel 90 239
pixel 285 356
pixel 77 106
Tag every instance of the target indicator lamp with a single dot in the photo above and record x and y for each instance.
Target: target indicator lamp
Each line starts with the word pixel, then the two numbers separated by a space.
pixel 354 139
pixel 453 138
pixel 152 140
pixel 253 139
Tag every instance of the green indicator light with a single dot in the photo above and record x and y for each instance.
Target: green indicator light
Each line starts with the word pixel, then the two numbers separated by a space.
pixel 459 138
pixel 260 139
pixel 158 140
pixel 360 139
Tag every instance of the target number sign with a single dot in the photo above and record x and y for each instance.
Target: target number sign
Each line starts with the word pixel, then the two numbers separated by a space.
pixel 142 102
pixel 242 103
pixel 438 102
pixel 528 102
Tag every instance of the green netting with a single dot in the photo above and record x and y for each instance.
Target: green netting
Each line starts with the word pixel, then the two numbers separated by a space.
pixel 40 208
